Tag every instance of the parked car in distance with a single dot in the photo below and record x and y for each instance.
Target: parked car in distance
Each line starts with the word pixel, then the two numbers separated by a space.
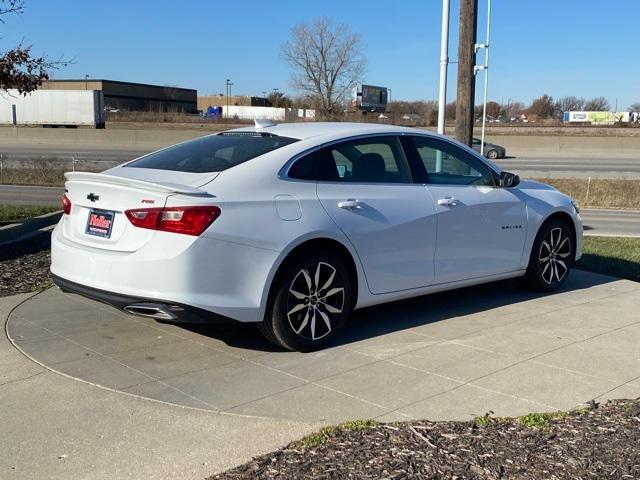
pixel 293 226
pixel 491 150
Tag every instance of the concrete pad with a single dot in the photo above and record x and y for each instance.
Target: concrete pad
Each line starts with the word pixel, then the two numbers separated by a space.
pixel 552 386
pixel 389 385
pixel 468 402
pixel 453 355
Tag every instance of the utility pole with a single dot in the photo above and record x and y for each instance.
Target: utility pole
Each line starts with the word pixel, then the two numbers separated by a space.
pixel 466 65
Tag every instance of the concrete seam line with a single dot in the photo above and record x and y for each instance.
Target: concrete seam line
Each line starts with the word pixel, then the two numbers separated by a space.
pixel 129 394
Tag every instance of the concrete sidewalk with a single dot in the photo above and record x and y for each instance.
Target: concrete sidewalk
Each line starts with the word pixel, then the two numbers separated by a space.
pixel 56 427
pixel 452 355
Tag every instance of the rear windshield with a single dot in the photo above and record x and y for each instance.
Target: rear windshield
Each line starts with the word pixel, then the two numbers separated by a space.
pixel 213 153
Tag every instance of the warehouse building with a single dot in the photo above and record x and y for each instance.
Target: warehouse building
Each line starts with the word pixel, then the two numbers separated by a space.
pixel 137 97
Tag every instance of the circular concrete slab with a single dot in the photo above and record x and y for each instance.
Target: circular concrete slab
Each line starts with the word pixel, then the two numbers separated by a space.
pixel 446 356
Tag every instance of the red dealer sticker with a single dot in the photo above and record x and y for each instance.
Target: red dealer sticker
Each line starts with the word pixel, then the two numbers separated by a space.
pixel 100 223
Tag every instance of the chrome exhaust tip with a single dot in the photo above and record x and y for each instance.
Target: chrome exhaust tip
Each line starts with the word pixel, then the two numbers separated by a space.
pixel 153 310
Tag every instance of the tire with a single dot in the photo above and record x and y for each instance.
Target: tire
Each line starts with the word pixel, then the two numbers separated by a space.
pixel 300 319
pixel 492 154
pixel 551 257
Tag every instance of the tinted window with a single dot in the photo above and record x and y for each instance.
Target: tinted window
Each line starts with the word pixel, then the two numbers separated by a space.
pixel 450 165
pixel 304 168
pixel 368 160
pixel 213 153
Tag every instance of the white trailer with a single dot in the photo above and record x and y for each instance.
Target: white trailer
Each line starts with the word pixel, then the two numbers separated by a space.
pixel 55 108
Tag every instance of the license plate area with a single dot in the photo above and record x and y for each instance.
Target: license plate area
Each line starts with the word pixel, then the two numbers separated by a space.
pixel 100 222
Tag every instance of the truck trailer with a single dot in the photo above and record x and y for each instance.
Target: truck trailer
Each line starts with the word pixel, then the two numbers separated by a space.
pixel 53 108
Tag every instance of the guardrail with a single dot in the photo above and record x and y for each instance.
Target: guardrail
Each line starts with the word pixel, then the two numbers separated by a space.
pixel 19 231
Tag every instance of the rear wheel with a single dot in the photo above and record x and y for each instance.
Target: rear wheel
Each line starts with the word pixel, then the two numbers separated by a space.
pixel 311 302
pixel 492 154
pixel 551 257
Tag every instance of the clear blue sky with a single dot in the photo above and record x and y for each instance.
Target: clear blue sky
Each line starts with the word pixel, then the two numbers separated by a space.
pixel 586 48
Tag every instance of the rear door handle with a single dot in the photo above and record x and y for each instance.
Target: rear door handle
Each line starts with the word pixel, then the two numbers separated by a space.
pixel 350 204
pixel 448 202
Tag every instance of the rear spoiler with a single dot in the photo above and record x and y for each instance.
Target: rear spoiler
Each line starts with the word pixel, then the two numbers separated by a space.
pixel 131 182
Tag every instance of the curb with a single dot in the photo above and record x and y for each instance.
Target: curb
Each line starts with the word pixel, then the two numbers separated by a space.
pixel 15 232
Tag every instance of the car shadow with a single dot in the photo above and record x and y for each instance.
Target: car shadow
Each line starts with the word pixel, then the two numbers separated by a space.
pixel 380 320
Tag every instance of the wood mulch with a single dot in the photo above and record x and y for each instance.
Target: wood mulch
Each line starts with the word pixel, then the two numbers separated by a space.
pixel 24 266
pixel 598 442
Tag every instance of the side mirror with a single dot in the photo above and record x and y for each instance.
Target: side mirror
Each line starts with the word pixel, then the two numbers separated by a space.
pixel 508 180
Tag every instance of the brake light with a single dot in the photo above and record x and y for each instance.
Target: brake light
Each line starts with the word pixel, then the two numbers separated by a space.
pixel 185 220
pixel 66 204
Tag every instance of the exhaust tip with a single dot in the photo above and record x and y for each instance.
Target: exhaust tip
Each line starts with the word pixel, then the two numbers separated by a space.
pixel 153 310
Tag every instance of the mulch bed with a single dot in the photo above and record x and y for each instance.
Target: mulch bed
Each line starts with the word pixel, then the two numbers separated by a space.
pixel 24 266
pixel 599 442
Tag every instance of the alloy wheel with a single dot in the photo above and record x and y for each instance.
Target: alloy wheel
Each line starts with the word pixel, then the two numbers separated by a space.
pixel 492 154
pixel 554 256
pixel 315 302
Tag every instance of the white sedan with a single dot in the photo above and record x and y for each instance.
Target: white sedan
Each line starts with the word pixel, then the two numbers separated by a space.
pixel 294 226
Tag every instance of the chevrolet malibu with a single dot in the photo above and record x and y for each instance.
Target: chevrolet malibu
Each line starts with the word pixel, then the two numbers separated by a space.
pixel 294 226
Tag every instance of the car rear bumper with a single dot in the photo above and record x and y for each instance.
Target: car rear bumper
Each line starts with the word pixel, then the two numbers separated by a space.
pixel 180 313
pixel 205 274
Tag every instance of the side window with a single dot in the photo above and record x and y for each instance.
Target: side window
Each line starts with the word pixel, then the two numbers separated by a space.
pixel 367 160
pixel 446 164
pixel 304 168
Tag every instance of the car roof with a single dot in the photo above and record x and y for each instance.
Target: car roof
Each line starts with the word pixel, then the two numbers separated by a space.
pixel 329 130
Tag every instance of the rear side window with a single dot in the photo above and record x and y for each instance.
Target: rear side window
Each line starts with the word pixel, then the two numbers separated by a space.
pixel 213 153
pixel 367 160
pixel 304 168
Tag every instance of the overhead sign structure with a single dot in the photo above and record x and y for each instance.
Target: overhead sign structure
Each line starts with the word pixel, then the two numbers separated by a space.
pixel 370 98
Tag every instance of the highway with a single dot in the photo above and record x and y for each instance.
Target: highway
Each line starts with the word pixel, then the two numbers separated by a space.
pixel 596 222
pixel 611 165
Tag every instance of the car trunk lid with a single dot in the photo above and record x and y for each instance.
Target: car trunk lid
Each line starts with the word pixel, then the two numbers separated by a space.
pixel 99 200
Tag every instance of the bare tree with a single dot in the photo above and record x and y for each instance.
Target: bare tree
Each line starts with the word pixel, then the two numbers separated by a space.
pixel 598 104
pixel 542 107
pixel 569 104
pixel 326 60
pixel 634 107
pixel 19 69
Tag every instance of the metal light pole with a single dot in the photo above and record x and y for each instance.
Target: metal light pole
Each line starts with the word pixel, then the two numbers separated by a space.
pixel 228 84
pixel 485 67
pixel 444 63
pixel 86 82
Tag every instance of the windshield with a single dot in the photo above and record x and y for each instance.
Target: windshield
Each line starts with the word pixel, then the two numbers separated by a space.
pixel 213 153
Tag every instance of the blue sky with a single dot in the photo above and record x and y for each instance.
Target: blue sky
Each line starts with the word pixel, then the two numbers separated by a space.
pixel 586 48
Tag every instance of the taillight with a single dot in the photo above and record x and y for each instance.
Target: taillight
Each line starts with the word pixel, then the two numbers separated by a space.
pixel 66 204
pixel 186 220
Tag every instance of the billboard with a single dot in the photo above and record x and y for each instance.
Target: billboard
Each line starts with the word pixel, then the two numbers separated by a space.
pixel 596 118
pixel 370 98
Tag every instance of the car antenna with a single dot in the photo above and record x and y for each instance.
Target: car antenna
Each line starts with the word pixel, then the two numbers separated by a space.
pixel 264 122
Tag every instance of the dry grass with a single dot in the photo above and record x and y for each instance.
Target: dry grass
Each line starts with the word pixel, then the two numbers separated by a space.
pixel 33 176
pixel 19 213
pixel 600 192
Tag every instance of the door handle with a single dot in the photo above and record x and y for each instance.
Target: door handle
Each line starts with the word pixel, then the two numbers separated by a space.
pixel 350 204
pixel 448 202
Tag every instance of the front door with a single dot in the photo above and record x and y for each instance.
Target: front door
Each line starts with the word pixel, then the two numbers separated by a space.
pixel 481 227
pixel 366 187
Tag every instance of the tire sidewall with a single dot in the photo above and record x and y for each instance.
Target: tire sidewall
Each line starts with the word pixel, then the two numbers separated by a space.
pixel 279 319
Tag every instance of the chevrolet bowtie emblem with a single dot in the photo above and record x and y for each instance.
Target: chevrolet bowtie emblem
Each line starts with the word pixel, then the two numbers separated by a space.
pixel 93 197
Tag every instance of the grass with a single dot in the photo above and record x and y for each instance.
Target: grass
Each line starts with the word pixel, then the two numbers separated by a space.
pixel 42 286
pixel 19 213
pixel 600 192
pixel 616 256
pixel 537 421
pixel 318 438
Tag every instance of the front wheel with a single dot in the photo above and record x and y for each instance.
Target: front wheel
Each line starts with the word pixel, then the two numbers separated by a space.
pixel 311 302
pixel 551 257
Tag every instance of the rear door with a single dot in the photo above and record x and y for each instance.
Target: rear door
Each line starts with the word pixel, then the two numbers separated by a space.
pixel 366 187
pixel 481 227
